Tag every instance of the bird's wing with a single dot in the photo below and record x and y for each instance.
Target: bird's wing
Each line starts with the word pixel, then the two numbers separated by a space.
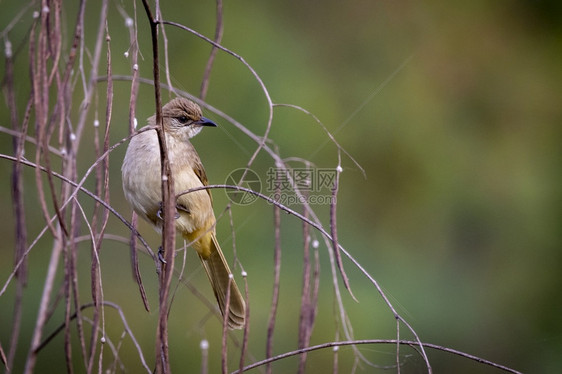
pixel 199 170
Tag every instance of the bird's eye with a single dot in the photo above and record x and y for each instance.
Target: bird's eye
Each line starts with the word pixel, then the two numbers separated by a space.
pixel 183 119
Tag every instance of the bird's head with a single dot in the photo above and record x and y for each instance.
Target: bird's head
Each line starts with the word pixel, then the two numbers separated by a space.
pixel 182 117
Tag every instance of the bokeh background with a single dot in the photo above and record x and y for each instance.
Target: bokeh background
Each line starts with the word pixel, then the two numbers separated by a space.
pixel 452 108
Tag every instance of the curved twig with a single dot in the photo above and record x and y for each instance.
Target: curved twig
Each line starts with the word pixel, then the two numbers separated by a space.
pixel 378 341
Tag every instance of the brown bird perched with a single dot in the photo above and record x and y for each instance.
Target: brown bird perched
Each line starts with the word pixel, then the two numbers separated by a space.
pixel 195 220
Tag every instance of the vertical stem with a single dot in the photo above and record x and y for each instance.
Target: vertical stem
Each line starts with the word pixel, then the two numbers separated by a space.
pixel 305 312
pixel 204 345
pixel 43 307
pixel 19 211
pixel 168 197
pixel 134 51
pixel 224 352
pixel 276 275
pixel 246 326
pixel 218 37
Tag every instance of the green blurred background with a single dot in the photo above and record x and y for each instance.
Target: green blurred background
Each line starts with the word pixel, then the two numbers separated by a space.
pixel 452 108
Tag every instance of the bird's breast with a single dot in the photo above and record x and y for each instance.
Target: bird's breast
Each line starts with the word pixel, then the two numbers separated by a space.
pixel 142 182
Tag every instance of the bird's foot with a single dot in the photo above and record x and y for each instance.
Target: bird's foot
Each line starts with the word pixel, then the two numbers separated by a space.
pixel 161 255
pixel 160 215
pixel 160 212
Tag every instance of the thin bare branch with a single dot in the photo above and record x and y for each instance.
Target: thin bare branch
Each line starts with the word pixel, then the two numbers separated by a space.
pixel 168 202
pixel 45 297
pixel 224 349
pixel 17 189
pixel 276 279
pixel 328 133
pixel 410 343
pixel 247 319
pixel 334 228
pixel 133 52
pixel 308 304
pixel 218 38
pixel 4 359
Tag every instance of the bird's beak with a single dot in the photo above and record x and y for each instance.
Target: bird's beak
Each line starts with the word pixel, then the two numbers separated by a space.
pixel 206 122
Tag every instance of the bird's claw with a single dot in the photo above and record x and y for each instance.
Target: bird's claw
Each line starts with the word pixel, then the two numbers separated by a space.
pixel 160 211
pixel 161 255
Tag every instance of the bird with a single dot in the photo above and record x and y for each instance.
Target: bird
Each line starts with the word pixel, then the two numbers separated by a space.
pixel 195 220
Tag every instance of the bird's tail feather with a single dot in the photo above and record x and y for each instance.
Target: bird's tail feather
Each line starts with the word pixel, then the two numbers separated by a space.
pixel 218 272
